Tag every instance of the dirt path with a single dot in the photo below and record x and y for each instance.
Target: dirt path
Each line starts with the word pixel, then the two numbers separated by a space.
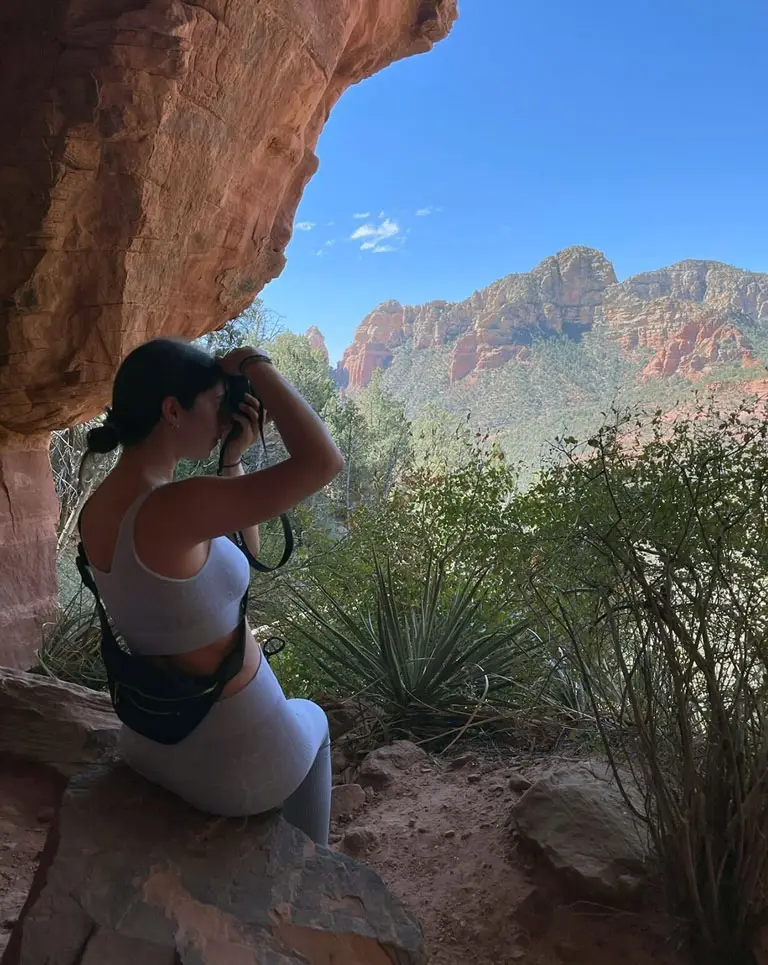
pixel 443 844
pixel 441 840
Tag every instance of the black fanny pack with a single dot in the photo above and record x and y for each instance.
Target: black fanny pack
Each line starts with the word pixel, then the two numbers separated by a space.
pixel 165 705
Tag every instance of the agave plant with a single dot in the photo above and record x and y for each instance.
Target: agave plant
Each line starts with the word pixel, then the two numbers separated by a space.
pixel 420 664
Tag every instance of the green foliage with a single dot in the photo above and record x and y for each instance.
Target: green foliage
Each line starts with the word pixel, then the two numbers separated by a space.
pixel 304 367
pixel 375 438
pixel 423 667
pixel 71 645
pixel 256 325
pixel 564 386
pixel 652 573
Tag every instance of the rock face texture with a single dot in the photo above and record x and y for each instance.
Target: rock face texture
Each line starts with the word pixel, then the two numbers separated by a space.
pixel 29 513
pixel 561 295
pixel 130 874
pixel 686 317
pixel 61 725
pixel 154 155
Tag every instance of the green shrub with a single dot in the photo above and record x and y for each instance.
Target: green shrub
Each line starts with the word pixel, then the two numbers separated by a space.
pixel 422 666
pixel 653 575
pixel 71 647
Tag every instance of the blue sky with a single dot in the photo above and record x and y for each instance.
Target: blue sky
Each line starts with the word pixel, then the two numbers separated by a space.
pixel 639 129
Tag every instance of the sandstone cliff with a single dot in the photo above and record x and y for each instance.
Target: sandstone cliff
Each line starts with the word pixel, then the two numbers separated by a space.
pixel 317 341
pixel 153 156
pixel 679 320
pixel 491 326
pixel 688 315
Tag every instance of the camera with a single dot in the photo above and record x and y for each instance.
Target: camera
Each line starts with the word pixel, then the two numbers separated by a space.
pixel 236 387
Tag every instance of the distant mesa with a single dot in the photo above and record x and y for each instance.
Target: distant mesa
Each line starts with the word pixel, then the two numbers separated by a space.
pixel 683 320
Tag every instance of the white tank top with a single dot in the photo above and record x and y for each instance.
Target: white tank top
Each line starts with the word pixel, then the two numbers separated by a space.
pixel 162 616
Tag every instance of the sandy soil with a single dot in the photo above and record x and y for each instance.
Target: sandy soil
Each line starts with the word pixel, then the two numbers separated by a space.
pixel 443 843
pixel 441 839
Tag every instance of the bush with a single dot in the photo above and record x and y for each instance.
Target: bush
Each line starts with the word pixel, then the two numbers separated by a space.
pixel 71 646
pixel 653 573
pixel 422 667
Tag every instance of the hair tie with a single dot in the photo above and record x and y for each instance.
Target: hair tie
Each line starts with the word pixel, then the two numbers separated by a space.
pixel 111 422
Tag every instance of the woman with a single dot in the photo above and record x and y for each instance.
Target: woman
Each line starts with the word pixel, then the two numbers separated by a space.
pixel 172 581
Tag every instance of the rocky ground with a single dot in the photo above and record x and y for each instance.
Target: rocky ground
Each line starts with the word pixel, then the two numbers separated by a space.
pixel 439 833
pixel 29 795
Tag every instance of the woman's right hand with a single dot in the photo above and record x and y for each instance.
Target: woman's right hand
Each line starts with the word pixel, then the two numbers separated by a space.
pixel 232 361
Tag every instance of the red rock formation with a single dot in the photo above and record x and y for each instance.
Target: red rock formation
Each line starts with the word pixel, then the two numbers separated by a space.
pixel 317 341
pixel 562 294
pixel 383 330
pixel 152 159
pixel 686 315
pixel 29 513
pixel 464 356
pixel 697 347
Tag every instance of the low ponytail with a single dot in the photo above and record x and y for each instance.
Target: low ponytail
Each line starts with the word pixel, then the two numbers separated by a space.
pixel 105 437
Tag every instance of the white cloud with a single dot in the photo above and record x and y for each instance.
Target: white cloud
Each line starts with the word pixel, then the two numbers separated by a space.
pixel 361 215
pixel 367 245
pixel 380 249
pixel 305 225
pixel 423 212
pixel 328 244
pixel 386 229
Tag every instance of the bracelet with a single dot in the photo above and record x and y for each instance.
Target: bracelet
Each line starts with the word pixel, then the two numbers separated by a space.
pixel 232 465
pixel 254 358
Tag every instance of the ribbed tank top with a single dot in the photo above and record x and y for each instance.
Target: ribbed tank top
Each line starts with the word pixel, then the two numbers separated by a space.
pixel 162 616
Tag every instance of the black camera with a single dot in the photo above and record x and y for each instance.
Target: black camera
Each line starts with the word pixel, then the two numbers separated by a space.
pixel 236 387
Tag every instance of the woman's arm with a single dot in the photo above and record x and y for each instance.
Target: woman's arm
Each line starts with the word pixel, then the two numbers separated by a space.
pixel 251 534
pixel 203 507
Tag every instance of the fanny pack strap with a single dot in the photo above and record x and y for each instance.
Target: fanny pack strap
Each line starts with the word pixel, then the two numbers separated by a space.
pixel 229 667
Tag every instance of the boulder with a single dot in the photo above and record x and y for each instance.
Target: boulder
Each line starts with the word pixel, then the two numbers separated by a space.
pixel 49 722
pixel 359 841
pixel 579 822
pixel 346 799
pixel 131 874
pixel 385 765
pixel 342 715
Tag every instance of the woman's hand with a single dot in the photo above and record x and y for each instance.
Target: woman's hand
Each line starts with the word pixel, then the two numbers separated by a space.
pixel 248 420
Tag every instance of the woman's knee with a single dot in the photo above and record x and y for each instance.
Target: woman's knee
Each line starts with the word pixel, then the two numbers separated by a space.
pixel 314 717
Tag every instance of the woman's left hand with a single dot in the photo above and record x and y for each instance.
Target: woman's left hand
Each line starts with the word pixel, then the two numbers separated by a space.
pixel 248 420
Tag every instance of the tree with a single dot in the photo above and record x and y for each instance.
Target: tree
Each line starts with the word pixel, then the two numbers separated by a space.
pixel 256 325
pixel 389 448
pixel 304 367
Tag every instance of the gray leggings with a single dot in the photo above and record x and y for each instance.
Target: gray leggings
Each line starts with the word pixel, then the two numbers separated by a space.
pixel 254 752
pixel 309 807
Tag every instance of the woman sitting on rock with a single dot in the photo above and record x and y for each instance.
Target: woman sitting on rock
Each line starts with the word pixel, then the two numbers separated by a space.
pixel 172 581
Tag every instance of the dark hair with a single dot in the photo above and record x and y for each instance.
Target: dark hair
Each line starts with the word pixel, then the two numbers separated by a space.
pixel 149 374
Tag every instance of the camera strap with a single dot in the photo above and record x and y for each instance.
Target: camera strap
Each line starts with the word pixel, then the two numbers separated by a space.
pixel 237 538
